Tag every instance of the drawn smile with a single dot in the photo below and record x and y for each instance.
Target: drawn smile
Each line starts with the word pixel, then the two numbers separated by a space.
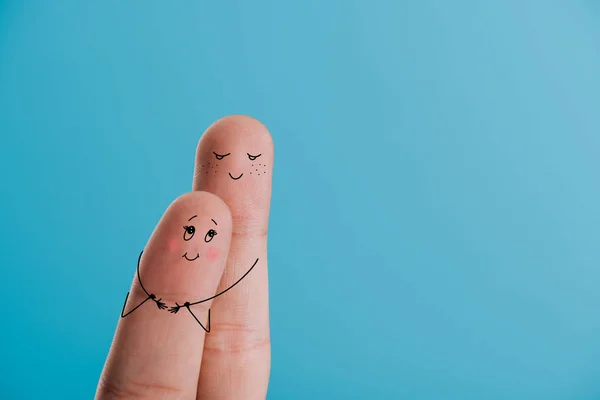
pixel 191 259
pixel 235 179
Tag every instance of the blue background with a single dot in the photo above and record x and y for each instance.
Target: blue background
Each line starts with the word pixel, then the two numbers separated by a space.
pixel 435 225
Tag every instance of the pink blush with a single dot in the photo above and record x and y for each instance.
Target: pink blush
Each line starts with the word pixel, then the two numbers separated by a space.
pixel 171 245
pixel 213 253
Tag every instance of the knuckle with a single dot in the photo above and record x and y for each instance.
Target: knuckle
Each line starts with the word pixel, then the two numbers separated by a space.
pixel 132 389
pixel 235 338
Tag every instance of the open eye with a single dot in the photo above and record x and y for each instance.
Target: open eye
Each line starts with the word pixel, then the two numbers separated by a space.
pixel 188 232
pixel 210 235
pixel 252 158
pixel 220 156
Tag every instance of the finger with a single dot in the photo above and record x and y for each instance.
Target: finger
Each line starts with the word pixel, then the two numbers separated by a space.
pixel 156 353
pixel 234 160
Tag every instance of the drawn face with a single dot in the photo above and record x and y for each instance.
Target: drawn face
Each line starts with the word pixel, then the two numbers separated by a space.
pixel 189 232
pixel 234 160
pixel 238 149
pixel 260 168
pixel 190 242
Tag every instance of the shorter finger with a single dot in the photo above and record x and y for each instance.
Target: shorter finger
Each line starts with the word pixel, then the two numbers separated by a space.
pixel 158 344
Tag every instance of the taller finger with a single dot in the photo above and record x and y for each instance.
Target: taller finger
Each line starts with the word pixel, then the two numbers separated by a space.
pixel 234 160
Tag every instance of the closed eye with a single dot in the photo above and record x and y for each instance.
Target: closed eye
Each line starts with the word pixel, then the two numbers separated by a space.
pixel 220 156
pixel 252 158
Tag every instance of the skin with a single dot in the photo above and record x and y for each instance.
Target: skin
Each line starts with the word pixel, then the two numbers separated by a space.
pixel 158 354
pixel 155 353
pixel 237 356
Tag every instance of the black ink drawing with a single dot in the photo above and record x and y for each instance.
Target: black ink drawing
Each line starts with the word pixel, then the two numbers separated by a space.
pixel 220 156
pixel 188 234
pixel 151 296
pixel 187 304
pixel 235 178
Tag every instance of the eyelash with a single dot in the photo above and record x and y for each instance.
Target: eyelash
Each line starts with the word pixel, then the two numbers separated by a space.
pixel 188 230
pixel 210 235
pixel 252 158
pixel 220 156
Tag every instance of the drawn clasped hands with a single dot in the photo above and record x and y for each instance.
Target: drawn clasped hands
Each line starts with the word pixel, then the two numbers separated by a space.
pixel 208 253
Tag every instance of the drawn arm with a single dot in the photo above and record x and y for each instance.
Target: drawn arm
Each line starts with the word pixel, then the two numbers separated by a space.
pixel 151 296
pixel 177 307
pixel 238 281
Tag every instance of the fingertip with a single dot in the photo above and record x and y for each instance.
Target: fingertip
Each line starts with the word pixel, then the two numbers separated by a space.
pixel 179 260
pixel 234 159
pixel 235 133
pixel 199 203
pixel 238 124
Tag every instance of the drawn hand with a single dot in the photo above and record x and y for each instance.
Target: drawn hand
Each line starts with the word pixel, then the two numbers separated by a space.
pixel 161 305
pixel 234 163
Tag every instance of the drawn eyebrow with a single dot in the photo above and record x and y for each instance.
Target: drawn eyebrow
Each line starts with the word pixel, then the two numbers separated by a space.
pixel 192 218
pixel 214 221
